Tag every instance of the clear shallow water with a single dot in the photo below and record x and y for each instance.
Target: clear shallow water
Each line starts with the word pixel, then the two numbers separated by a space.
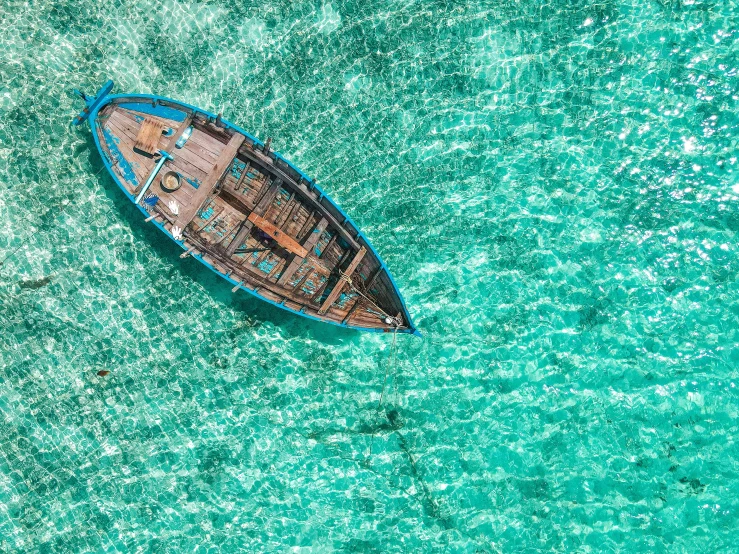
pixel 552 185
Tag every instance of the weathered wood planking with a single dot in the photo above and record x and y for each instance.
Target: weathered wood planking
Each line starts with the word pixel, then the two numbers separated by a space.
pixel 217 228
pixel 140 164
pixel 202 153
pixel 381 291
pixel 357 302
pixel 328 246
pixel 264 203
pixel 221 165
pixel 187 154
pixel 286 210
pixel 308 245
pixel 306 195
pixel 279 237
pixel 334 294
pixel 248 191
pixel 209 145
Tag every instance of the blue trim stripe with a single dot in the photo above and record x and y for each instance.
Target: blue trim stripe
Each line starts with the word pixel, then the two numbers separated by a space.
pixel 157 110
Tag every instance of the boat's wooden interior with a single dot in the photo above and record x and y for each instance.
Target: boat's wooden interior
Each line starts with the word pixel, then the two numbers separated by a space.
pixel 252 217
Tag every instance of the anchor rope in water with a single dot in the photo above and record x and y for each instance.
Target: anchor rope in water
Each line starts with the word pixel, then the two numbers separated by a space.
pixel 394 357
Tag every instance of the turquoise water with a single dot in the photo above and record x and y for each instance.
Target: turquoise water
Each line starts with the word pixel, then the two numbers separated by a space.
pixel 554 187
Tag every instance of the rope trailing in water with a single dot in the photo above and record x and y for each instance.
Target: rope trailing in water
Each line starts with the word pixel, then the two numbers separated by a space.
pixel 394 357
pixel 390 320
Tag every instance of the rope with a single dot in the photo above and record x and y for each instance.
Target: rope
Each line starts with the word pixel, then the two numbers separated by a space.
pixel 393 320
pixel 394 356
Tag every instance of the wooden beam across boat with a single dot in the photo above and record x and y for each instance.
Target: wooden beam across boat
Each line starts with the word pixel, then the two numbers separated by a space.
pixel 308 244
pixel 339 286
pixel 260 209
pixel 214 175
pixel 279 236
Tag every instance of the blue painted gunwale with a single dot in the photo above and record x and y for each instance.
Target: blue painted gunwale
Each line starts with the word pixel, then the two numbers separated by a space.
pixel 100 102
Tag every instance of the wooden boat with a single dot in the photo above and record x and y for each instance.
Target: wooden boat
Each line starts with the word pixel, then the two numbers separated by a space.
pixel 243 211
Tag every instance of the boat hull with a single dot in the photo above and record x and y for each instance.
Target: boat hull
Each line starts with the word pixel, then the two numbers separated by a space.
pixel 367 313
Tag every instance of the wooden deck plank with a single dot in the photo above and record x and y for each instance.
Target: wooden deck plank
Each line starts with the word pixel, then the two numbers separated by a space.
pixel 206 142
pixel 141 165
pixel 308 244
pixel 119 121
pixel 262 206
pixel 341 283
pixel 201 152
pixel 189 155
pixel 202 193
pixel 278 235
